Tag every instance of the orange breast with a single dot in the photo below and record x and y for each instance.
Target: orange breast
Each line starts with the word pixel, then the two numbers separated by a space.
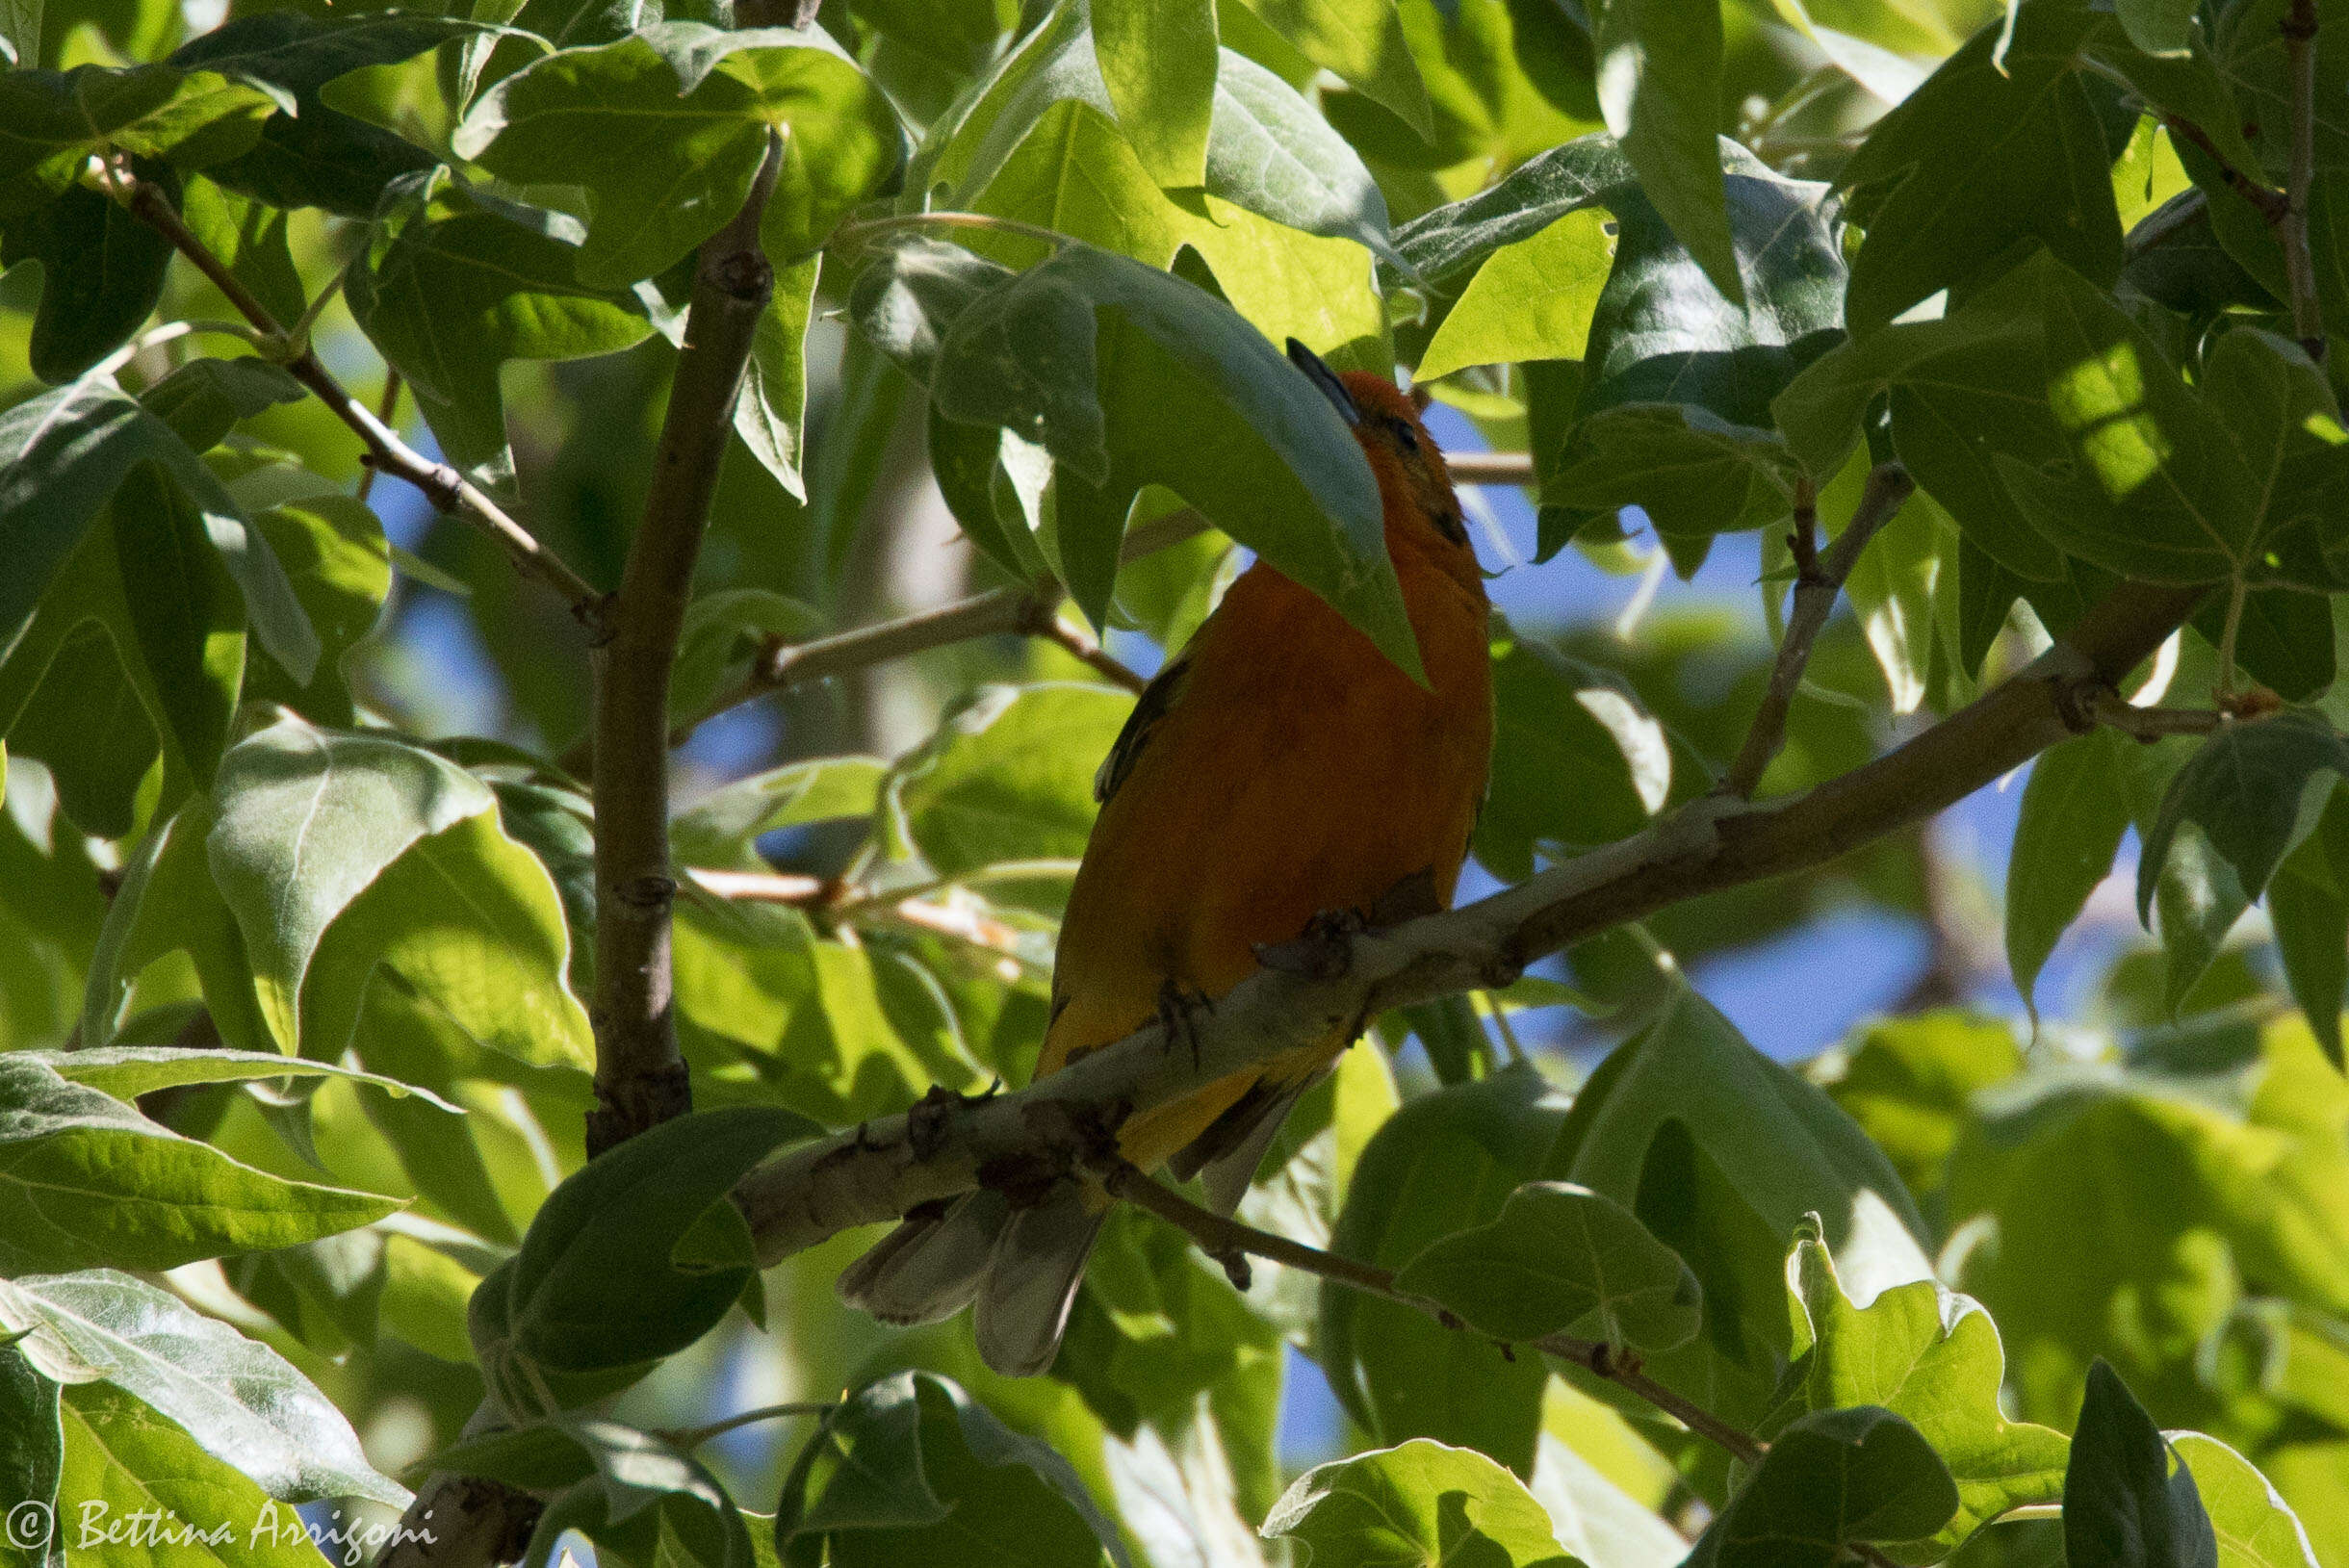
pixel 1298 772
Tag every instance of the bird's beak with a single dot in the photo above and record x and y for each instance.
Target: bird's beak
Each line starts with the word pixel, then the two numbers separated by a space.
pixel 1326 378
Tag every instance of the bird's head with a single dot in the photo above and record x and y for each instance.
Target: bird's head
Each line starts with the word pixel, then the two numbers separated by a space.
pixel 1424 521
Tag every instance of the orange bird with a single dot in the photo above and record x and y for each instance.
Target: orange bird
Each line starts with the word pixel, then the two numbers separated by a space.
pixel 1278 768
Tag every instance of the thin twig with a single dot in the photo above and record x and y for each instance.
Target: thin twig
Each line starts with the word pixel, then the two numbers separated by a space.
pixel 1819 577
pixel 641 1077
pixel 2271 202
pixel 1491 466
pixel 443 485
pixel 693 1437
pixel 1044 623
pixel 2113 712
pixel 1220 1237
pixel 2299 28
pixel 837 900
pixel 387 414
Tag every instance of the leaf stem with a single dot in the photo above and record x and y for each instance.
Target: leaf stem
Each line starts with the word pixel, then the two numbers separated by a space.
pixel 855 234
pixel 443 485
pixel 1820 576
pixel 641 1077
pixel 2237 591
pixel 693 1437
pixel 387 412
pixel 2299 28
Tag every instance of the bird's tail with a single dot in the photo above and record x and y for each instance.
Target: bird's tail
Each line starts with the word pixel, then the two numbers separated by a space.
pixel 1019 1267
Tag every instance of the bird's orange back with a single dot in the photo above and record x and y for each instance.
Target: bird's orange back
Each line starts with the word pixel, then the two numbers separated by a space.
pixel 1278 767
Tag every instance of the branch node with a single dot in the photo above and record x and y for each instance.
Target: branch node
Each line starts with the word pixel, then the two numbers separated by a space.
pixel 2080 699
pixel 648 892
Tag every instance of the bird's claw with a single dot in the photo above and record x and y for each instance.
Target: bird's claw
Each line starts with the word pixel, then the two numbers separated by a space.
pixel 1178 1009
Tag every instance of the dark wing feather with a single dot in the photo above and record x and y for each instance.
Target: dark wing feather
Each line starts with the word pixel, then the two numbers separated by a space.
pixel 1156 702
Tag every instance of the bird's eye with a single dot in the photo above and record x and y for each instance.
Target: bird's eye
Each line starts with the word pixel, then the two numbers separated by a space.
pixel 1405 436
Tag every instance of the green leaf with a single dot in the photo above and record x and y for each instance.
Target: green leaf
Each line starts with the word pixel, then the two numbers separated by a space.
pixel 1956 409
pixel 240 1400
pixel 91 1181
pixel 2309 908
pixel 2124 1507
pixel 2000 147
pixel 32 1448
pixel 168 904
pixel 453 285
pixel 143 608
pixel 312 155
pixel 1076 175
pixel 1663 332
pixel 1832 1477
pixel 307 819
pixel 1444 1163
pixel 2066 834
pixel 1694 473
pixel 553 1309
pixel 249 238
pixel 2254 791
pixel 203 399
pixel 1534 299
pixel 1911 1082
pixel 1359 41
pixel 1158 65
pixel 2255 1526
pixel 724 634
pixel 1587 171
pixel 911 1468
pixel 631 1471
pixel 771 410
pixel 1421 1503
pixel 128 1071
pixel 63 456
pixel 1793 1150
pixel 1577 760
pixel 1561 1258
pixel 340 564
pixel 2156 490
pixel 1933 1358
pixel 1268 151
pixel 1163 384
pixel 2223 1189
pixel 124 1458
pixel 56 119
pixel 581 117
pixel 719 829
pixel 102 273
pixel 1008 776
pixel 1659 86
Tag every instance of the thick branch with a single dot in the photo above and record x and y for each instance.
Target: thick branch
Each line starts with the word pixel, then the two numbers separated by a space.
pixel 2299 28
pixel 640 1076
pixel 1308 991
pixel 1819 577
pixel 447 490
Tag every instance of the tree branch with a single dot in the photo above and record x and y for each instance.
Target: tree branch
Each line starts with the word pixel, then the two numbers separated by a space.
pixel 1308 990
pixel 447 490
pixel 1491 466
pixel 1819 577
pixel 1224 1238
pixel 2299 28
pixel 640 1075
pixel 1044 622
pixel 2271 202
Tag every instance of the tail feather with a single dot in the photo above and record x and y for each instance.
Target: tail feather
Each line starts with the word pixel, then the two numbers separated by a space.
pixel 928 1270
pixel 1031 1281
